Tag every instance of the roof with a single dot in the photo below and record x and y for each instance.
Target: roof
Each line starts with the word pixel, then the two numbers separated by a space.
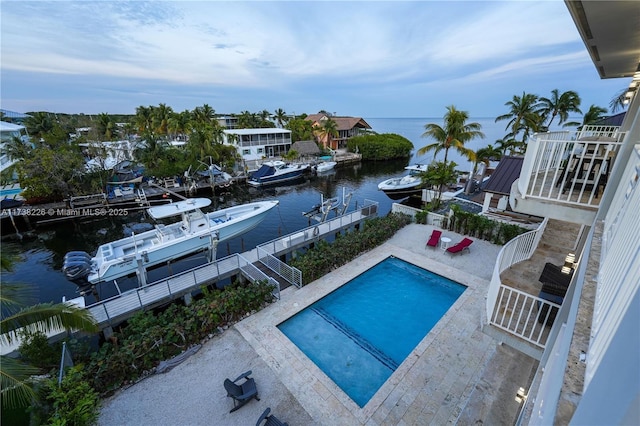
pixel 14 115
pixel 10 127
pixel 609 30
pixel 504 175
pixel 613 120
pixel 305 148
pixel 261 131
pixel 342 123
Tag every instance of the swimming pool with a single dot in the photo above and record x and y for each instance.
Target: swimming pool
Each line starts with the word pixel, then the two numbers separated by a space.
pixel 10 192
pixel 359 334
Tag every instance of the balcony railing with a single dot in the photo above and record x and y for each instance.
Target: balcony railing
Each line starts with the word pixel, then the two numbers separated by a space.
pixel 523 315
pixel 570 167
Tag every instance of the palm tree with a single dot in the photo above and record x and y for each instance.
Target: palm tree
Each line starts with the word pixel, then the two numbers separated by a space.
pixel 160 118
pixel 38 124
pixel 247 120
pixel 523 115
pixel 16 389
pixel 559 105
pixel 327 131
pixel 105 127
pixel 180 124
pixel 483 155
pixel 17 149
pixel 143 119
pixel 592 116
pixel 455 134
pixel 151 153
pixel 280 116
pixel 619 101
pixel 204 114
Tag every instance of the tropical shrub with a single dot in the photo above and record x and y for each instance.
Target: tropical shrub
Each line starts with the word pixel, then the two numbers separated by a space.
pixel 384 146
pixel 72 402
pixel 149 338
pixel 325 257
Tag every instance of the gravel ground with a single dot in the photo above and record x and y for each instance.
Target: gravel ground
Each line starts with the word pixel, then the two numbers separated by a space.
pixel 192 393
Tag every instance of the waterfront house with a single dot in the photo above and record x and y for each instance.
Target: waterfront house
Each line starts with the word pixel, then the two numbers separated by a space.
pixel 254 145
pixel 587 186
pixel 347 127
pixel 9 131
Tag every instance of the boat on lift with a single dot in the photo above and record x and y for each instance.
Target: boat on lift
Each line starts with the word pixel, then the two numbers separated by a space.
pixel 272 172
pixel 196 231
pixel 402 187
pixel 324 166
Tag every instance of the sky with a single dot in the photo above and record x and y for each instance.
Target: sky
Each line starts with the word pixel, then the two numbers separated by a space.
pixel 361 58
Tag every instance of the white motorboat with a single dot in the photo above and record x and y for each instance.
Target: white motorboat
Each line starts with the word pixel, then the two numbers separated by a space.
pixel 402 187
pixel 196 231
pixel 277 171
pixel 324 166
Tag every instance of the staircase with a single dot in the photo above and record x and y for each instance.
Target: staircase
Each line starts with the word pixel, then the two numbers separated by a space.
pixel 558 240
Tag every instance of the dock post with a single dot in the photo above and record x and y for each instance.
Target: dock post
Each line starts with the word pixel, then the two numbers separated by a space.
pixel 187 298
pixel 108 333
pixel 141 273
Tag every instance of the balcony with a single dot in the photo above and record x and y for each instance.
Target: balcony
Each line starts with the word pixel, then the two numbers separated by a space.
pixel 568 170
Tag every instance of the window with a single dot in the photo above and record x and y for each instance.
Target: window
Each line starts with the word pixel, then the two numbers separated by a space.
pixel 246 152
pixel 260 150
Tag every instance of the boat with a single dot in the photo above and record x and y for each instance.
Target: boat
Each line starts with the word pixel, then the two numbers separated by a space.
pixel 196 231
pixel 217 178
pixel 276 171
pixel 324 166
pixel 402 187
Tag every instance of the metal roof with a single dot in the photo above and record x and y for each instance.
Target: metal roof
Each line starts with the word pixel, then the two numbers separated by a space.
pixel 507 171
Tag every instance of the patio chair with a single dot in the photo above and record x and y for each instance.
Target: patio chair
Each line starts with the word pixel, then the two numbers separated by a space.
pixel 271 420
pixel 434 238
pixel 459 247
pixel 241 393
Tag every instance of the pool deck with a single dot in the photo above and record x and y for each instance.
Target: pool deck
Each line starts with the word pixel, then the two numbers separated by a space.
pixel 456 375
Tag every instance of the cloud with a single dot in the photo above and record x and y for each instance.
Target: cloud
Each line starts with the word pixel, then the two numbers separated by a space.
pixel 303 50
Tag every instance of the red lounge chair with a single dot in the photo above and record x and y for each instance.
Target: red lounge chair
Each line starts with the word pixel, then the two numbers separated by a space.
pixel 462 245
pixel 434 239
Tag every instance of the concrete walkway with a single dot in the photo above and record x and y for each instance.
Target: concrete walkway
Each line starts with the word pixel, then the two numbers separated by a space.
pixel 447 379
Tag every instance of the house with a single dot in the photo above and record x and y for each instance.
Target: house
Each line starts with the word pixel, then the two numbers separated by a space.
pixel 586 184
pixel 256 144
pixel 347 127
pixel 9 131
pixel 499 184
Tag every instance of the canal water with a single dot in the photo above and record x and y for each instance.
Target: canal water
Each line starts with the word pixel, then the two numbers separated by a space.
pixel 40 258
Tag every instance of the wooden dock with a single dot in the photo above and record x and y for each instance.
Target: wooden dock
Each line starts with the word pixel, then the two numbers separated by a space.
pixel 251 265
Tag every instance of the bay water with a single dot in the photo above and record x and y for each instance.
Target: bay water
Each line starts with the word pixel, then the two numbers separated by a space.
pixel 41 256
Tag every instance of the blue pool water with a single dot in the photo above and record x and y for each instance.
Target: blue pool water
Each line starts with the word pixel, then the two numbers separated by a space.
pixel 359 334
pixel 9 192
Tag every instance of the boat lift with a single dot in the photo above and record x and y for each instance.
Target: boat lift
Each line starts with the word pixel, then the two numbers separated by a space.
pixel 320 212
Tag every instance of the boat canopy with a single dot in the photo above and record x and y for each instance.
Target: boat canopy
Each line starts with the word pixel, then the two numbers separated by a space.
pixel 264 170
pixel 179 207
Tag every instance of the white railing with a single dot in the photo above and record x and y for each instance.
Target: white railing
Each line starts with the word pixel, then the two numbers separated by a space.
pixel 434 219
pixel 255 274
pixel 590 131
pixel 289 273
pixel 619 271
pixel 499 296
pixel 523 315
pixel 569 167
pixel 172 287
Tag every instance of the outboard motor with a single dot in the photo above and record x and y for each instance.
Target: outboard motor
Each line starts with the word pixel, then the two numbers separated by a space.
pixel 76 267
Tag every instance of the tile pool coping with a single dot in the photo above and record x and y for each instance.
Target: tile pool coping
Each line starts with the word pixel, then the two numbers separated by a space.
pixel 432 383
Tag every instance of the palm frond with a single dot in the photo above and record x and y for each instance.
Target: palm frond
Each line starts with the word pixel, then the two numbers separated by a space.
pixel 47 317
pixel 16 389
